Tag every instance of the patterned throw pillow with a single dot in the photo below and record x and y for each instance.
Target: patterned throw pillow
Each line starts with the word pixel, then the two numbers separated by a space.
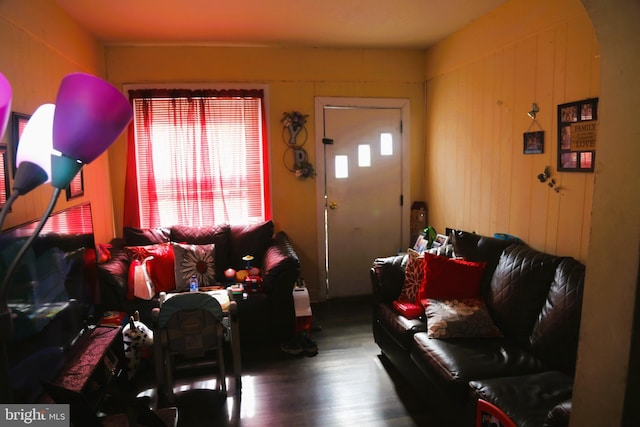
pixel 194 259
pixel 459 318
pixel 413 277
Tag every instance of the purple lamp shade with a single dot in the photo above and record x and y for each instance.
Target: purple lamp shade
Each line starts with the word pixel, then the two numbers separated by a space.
pixel 90 114
pixel 5 103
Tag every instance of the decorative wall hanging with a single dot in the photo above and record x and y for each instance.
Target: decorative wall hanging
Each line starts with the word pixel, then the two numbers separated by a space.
pixel 533 141
pixel 544 176
pixel 294 135
pixel 293 123
pixel 577 135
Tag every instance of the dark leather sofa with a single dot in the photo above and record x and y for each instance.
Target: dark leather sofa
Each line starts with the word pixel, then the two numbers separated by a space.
pixel 266 316
pixel 535 300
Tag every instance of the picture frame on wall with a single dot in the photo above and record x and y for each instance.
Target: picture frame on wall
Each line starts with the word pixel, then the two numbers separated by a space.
pixel 76 186
pixel 577 135
pixel 533 142
pixel 18 123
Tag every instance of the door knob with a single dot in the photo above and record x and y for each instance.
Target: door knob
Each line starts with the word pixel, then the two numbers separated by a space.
pixel 333 205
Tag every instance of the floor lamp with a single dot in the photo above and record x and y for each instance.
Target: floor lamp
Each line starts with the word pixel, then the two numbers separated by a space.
pixel 88 116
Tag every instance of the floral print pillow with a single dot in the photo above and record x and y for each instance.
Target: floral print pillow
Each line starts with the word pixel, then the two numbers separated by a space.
pixel 459 318
pixel 413 277
pixel 198 260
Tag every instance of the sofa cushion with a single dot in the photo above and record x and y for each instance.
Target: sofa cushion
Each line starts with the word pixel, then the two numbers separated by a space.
pixel 459 318
pixel 414 277
pixel 450 278
pixel 253 239
pixel 527 399
pixel 134 236
pixel 161 267
pixel 452 363
pixel 198 260
pixel 555 334
pixel 219 235
pixel 519 288
pixel 478 248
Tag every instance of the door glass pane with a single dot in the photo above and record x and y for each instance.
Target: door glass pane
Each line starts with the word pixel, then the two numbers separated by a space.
pixel 364 155
pixel 342 166
pixel 386 144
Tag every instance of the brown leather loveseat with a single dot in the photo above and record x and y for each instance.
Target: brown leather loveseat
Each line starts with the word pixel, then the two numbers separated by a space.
pixel 535 301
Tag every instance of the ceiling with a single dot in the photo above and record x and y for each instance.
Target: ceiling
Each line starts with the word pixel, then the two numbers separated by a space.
pixel 398 24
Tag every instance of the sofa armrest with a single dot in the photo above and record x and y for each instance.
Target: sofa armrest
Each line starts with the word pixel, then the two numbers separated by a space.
pixel 559 415
pixel 387 278
pixel 280 256
pixel 113 275
pixel 280 270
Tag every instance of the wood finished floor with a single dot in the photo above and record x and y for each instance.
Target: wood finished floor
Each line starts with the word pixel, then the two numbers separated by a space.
pixel 348 383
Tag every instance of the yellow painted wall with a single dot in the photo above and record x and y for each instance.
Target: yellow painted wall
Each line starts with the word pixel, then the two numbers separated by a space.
pixel 482 81
pixel 294 78
pixel 40 45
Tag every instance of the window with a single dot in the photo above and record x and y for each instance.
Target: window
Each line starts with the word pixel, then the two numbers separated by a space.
pixel 200 158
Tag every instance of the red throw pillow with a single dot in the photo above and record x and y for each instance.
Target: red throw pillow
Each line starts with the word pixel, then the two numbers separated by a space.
pixel 131 279
pixel 161 267
pixel 447 278
pixel 409 310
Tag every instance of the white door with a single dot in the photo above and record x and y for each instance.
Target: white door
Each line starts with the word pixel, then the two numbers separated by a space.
pixel 363 193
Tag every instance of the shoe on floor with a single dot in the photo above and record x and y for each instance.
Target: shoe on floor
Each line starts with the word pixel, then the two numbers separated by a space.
pixel 308 346
pixel 292 347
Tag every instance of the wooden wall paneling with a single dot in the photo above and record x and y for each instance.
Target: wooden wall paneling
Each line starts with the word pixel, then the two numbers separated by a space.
pixel 488 163
pixel 522 170
pixel 558 97
pixel 451 209
pixel 473 174
pixel 542 193
pixel 505 147
pixel 495 103
pixel 572 217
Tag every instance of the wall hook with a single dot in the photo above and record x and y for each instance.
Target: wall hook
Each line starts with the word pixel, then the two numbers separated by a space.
pixel 534 111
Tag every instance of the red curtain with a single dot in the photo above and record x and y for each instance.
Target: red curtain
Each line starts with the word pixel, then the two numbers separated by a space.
pixel 197 158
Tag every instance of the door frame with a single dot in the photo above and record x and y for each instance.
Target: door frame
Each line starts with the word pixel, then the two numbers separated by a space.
pixel 321 201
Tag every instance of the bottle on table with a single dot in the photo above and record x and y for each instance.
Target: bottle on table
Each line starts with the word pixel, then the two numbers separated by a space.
pixel 193 284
